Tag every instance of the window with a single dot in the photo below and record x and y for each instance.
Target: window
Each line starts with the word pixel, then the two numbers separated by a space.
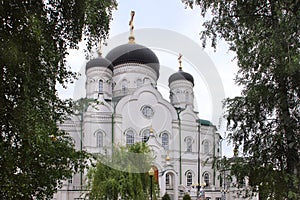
pixel 206 178
pixel 189 178
pixel 100 86
pixel 147 111
pixel 139 83
pixel 167 179
pixel 100 139
pixel 124 85
pixel 188 144
pixel 146 134
pixel 165 141
pixel 206 147
pixel 129 137
pixel 171 97
pixel 187 97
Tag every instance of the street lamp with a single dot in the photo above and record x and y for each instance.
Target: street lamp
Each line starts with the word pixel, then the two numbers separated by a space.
pixel 151 174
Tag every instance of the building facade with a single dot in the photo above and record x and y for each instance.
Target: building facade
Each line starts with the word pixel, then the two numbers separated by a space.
pixel 130 109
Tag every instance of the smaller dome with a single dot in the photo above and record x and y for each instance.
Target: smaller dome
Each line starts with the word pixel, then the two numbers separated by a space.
pixel 99 62
pixel 181 75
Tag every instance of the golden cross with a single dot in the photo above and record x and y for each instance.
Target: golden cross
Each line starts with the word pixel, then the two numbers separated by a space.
pixel 180 61
pixel 131 23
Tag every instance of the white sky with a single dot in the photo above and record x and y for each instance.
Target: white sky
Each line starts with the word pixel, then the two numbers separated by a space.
pixel 170 15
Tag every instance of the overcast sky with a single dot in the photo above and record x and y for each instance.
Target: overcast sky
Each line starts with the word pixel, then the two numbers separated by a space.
pixel 169 15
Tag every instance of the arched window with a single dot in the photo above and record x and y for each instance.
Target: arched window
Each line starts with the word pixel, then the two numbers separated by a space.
pixel 124 85
pixel 139 83
pixel 167 179
pixel 171 97
pixel 146 134
pixel 188 144
pixel 99 139
pixel 189 178
pixel 206 147
pixel 206 178
pixel 165 141
pixel 187 96
pixel 129 137
pixel 100 86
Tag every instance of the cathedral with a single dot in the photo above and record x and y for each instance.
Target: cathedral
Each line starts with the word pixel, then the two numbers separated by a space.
pixel 131 110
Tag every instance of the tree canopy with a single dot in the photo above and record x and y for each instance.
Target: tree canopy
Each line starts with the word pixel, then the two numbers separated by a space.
pixel 265 120
pixel 35 37
pixel 124 174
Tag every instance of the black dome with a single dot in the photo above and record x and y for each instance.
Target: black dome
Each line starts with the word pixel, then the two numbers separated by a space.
pixel 181 75
pixel 99 62
pixel 133 53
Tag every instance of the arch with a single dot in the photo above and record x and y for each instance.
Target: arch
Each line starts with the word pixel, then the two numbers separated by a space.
pixel 165 140
pixel 187 96
pixel 100 86
pixel 139 82
pixel 124 85
pixel 145 134
pixel 189 144
pixel 170 181
pixel 100 135
pixel 146 80
pixel 99 139
pixel 206 146
pixel 189 177
pixel 129 137
pixel 206 178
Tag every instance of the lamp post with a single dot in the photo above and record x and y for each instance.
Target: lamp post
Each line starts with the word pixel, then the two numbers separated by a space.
pixel 178 111
pixel 198 160
pixel 151 174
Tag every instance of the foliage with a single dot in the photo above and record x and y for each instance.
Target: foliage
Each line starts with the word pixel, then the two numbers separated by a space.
pixel 186 197
pixel 166 197
pixel 35 36
pixel 265 120
pixel 125 174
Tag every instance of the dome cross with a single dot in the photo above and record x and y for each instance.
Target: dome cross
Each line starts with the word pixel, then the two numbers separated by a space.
pixel 131 37
pixel 180 61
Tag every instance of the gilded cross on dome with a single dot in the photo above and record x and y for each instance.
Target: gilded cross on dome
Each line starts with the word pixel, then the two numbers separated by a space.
pixel 131 37
pixel 180 61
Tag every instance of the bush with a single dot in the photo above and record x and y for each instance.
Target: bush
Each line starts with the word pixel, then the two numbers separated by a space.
pixel 166 197
pixel 187 197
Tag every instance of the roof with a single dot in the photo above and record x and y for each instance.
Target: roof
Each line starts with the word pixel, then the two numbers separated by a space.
pixel 99 62
pixel 181 75
pixel 133 53
pixel 205 122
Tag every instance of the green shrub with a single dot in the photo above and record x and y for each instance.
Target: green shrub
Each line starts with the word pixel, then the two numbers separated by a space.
pixel 166 197
pixel 187 197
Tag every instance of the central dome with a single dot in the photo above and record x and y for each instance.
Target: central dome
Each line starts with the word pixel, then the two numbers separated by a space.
pixel 134 53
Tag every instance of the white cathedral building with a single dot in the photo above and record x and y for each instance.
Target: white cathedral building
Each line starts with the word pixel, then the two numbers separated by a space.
pixel 133 110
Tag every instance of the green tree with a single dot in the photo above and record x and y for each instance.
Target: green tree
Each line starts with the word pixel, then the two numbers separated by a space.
pixel 125 174
pixel 265 120
pixel 35 37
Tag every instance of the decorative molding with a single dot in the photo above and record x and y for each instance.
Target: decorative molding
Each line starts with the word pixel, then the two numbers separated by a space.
pixel 135 68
